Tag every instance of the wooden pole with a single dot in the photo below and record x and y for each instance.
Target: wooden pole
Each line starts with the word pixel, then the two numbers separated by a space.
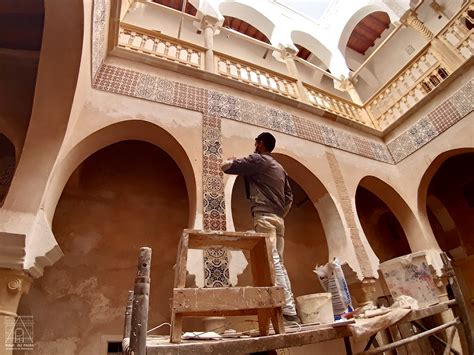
pixel 140 305
pixel 411 339
pixel 128 316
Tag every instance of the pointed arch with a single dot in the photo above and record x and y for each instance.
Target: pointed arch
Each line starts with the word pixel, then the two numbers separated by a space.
pixel 431 171
pixel 398 207
pixel 125 130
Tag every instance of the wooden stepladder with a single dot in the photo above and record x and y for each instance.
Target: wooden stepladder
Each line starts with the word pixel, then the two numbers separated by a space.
pixel 264 299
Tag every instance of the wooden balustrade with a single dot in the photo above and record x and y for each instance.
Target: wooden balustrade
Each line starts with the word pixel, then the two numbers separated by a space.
pixel 422 74
pixel 152 43
pixel 409 87
pixel 337 106
pixel 250 74
pixel 459 33
pixel 411 84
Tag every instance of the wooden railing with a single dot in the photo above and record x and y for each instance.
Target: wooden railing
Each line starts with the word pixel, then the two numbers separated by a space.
pixel 406 89
pixel 401 93
pixel 458 35
pixel 338 106
pixel 419 77
pixel 256 76
pixel 156 44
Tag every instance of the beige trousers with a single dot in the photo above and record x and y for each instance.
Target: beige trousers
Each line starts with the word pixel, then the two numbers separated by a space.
pixel 275 226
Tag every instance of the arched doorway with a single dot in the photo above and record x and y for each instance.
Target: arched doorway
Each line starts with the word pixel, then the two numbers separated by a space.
pixel 447 193
pixel 124 196
pixel 381 203
pixel 307 236
pixel 382 229
pixel 450 205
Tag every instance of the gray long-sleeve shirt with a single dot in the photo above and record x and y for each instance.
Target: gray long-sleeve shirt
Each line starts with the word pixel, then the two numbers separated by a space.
pixel 270 189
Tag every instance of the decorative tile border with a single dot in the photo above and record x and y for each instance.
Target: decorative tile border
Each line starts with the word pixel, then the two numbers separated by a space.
pixel 132 83
pixel 216 260
pixel 452 110
pixel 98 34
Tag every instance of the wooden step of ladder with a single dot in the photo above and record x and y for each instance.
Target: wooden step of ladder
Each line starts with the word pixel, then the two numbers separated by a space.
pixel 264 299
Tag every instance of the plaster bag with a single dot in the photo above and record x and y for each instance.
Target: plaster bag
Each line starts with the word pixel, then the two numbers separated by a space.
pixel 331 278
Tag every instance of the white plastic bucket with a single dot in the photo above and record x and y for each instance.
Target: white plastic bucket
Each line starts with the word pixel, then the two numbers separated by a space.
pixel 410 275
pixel 315 308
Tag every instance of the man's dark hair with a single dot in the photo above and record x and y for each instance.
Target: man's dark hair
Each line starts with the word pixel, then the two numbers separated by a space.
pixel 267 139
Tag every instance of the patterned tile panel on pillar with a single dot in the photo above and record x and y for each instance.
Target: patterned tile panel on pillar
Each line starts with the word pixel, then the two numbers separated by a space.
pixel 216 260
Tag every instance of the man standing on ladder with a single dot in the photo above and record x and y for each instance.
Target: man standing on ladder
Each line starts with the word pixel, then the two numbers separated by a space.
pixel 269 191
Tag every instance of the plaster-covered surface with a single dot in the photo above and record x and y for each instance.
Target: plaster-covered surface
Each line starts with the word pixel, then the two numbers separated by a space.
pixel 115 202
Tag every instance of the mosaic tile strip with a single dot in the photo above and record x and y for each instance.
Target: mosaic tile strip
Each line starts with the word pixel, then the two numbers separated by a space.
pixel 145 86
pixel 98 35
pixel 446 114
pixel 216 260
pixel 363 147
pixel 117 80
pixel 190 97
pixel 463 100
pixel 349 213
pixel 215 104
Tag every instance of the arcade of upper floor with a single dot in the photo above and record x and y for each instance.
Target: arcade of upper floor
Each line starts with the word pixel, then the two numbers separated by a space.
pixel 365 63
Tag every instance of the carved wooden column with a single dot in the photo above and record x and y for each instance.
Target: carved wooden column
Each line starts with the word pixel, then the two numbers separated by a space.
pixel 13 284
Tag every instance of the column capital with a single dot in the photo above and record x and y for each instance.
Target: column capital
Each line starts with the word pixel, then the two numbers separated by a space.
pixel 347 85
pixel 209 22
pixel 285 53
pixel 410 19
pixel 13 284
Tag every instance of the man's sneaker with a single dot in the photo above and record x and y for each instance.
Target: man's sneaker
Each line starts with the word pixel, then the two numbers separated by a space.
pixel 291 319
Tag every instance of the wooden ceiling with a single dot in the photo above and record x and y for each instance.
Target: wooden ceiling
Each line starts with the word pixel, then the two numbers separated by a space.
pixel 245 28
pixel 178 5
pixel 302 52
pixel 367 31
pixel 21 24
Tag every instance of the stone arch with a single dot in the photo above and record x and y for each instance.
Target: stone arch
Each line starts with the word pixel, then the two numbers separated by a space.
pixel 445 203
pixel 382 229
pixel 58 72
pixel 125 195
pixel 126 130
pixel 319 196
pixel 323 201
pixel 314 229
pixel 357 17
pixel 314 46
pixel 248 14
pixel 431 171
pixel 397 205
pixel 7 165
pixel 432 209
